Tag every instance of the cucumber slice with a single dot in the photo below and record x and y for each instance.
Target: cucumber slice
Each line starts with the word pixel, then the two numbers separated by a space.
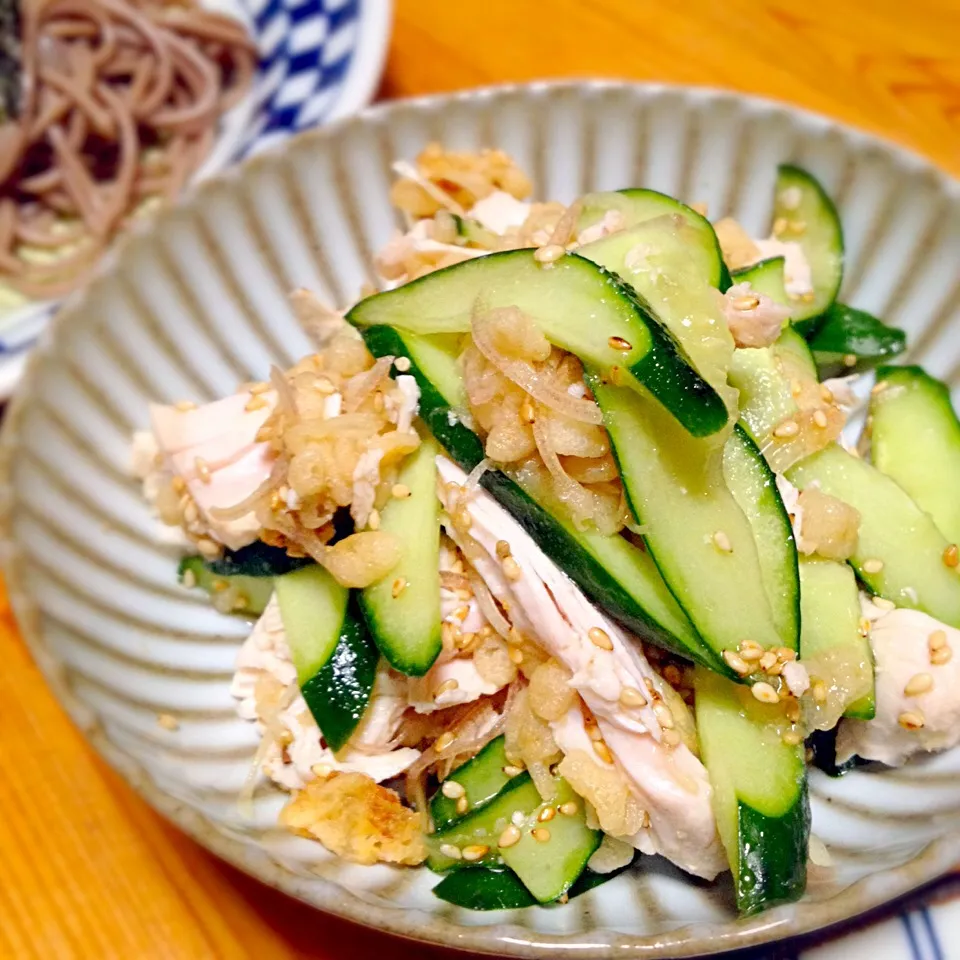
pixel 754 487
pixel 638 205
pixel 803 213
pixel 472 231
pixel 484 826
pixel 659 260
pixel 676 489
pixel 482 778
pixel 845 332
pixel 247 596
pixel 579 306
pixel 760 792
pixel 766 277
pixel 617 575
pixel 894 532
pixel 915 440
pixel 764 378
pixel 549 857
pixel 548 866
pixel 831 645
pixel 499 888
pixel 406 625
pixel 335 658
pixel 258 559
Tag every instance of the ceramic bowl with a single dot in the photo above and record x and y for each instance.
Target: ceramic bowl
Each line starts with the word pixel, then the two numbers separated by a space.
pixel 197 305
pixel 320 60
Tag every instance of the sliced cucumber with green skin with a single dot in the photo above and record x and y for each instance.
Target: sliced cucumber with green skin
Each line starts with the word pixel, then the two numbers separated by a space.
pixel 915 440
pixel 482 778
pixel 766 277
pixel 638 205
pixel 405 624
pixel 803 213
pixel 335 658
pixel 247 596
pixel 499 888
pixel 547 868
pixel 763 376
pixel 472 231
pixel 845 332
pixel 759 792
pixel 659 260
pixel 578 306
pixel 831 645
pixel 257 560
pixel 616 574
pixel 696 532
pixel 895 534
pixel 754 487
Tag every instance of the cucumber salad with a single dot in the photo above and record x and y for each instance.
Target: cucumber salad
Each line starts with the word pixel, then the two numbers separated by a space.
pixel 564 550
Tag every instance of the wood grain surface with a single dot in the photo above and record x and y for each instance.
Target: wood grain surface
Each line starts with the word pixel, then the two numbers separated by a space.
pixel 88 871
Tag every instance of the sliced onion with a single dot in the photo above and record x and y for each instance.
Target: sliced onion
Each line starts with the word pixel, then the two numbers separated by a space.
pixel 253 500
pixel 488 605
pixel 577 498
pixel 473 477
pixel 542 385
pixel 361 385
pixel 563 231
pixel 286 400
pixel 454 581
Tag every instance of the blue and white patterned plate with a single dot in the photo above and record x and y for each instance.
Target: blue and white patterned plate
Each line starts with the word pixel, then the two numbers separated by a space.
pixel 320 60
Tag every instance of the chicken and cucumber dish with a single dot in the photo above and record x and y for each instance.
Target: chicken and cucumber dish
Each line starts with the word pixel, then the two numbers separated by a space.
pixel 563 550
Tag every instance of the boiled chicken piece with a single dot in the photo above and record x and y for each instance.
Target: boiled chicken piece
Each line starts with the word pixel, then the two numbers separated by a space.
pixel 213 449
pixel 499 211
pixel 917 688
pixel 266 654
pixel 609 671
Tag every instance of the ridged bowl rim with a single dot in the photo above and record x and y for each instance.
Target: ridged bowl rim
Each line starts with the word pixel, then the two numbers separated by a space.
pixel 689 940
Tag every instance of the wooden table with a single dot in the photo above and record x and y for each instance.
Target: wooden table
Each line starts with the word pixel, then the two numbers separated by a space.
pixel 86 869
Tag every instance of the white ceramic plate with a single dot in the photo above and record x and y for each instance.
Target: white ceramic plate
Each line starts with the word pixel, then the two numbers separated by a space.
pixel 198 305
pixel 320 60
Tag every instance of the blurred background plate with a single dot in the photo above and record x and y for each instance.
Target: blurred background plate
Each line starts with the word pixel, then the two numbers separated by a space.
pixel 197 305
pixel 320 60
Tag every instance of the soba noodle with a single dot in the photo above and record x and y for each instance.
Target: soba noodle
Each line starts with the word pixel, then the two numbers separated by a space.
pixel 120 103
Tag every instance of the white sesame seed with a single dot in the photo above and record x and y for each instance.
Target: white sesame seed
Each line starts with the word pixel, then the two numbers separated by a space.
pixel 722 542
pixel 820 418
pixel 602 751
pixel 402 364
pixel 168 721
pixel 512 770
pixel 518 818
pixel 549 253
pixel 792 738
pixel 618 343
pixel 911 720
pixel 670 738
pixel 632 697
pixel 918 684
pixel 850 360
pixel 189 579
pixel 569 808
pixel 450 851
pixel 746 303
pixel 546 814
pixel 452 790
pixel 940 657
pixel 511 569
pixel 443 742
pixel 475 851
pixel 399 585
pixel 818 690
pixel 789 428
pixel 664 715
pixel 448 686
pixel 600 638
pixel 951 556
pixel 765 693
pixel 872 566
pixel 462 805
pixel 883 603
pixel 736 662
pixel 321 770
pixel 400 491
pixel 509 837
pixel 540 834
